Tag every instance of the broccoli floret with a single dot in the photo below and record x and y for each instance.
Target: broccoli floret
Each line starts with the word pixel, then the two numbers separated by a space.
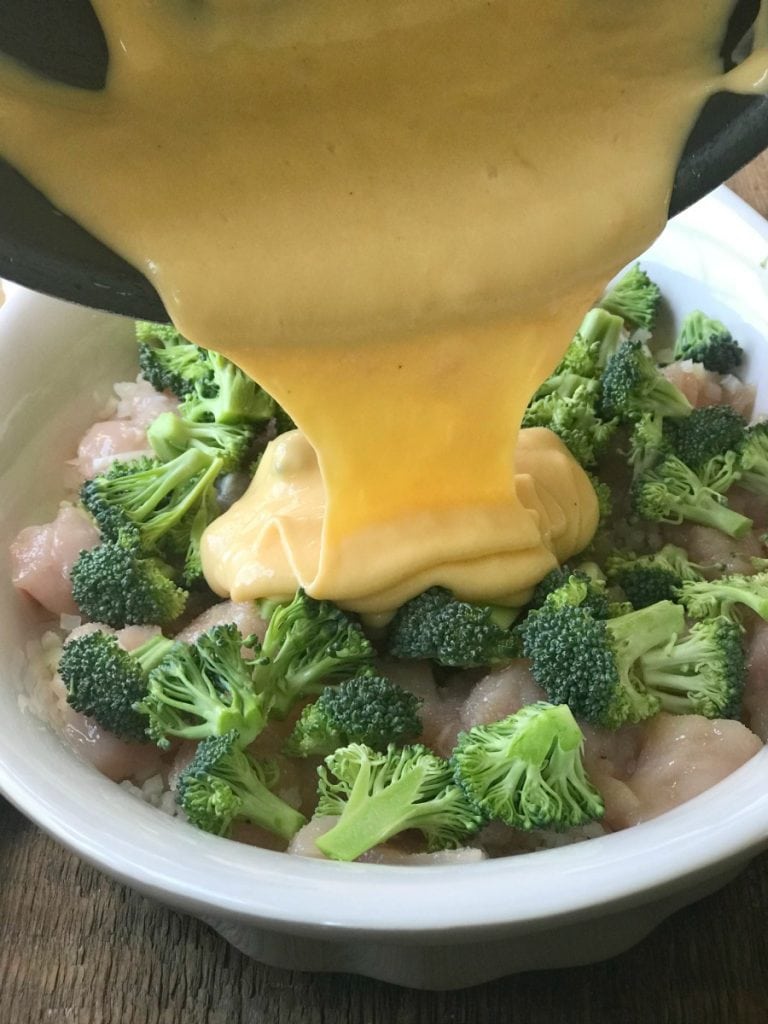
pixel 527 771
pixel 566 404
pixel 753 461
pixel 633 385
pixel 581 589
pixel 223 784
pixel 725 596
pixel 648 443
pixel 116 584
pixel 671 492
pixel 208 510
pixel 646 579
pixel 708 341
pixel 454 633
pixel 149 498
pixel 706 434
pixel 105 682
pixel 592 664
pixel 604 496
pixel 635 298
pixel 205 689
pixel 226 395
pixel 368 709
pixel 377 795
pixel 171 435
pixel 168 360
pixel 597 339
pixel 703 673
pixel 308 643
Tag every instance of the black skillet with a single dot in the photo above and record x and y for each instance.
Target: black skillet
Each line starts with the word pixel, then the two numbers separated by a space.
pixel 43 249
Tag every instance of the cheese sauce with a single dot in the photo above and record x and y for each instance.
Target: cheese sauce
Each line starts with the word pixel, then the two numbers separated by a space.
pixel 391 215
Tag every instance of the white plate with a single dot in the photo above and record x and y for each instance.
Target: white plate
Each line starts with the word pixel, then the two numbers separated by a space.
pixel 440 927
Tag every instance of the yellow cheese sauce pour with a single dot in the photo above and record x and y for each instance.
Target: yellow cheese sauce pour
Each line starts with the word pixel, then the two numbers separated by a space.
pixel 392 215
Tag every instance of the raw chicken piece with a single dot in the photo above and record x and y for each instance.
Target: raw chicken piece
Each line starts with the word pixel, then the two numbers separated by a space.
pixel 714 550
pixel 755 701
pixel 500 694
pixel 679 757
pixel 106 441
pixel 111 756
pixel 139 402
pixel 244 615
pixel 42 557
pixel 303 843
pixel 124 436
pixel 702 387
pixel 441 706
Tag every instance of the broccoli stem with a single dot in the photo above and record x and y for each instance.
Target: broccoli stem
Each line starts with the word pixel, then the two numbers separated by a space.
pixel 262 807
pixel 708 511
pixel 371 818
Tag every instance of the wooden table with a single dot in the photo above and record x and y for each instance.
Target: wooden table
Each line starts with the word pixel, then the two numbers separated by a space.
pixel 76 948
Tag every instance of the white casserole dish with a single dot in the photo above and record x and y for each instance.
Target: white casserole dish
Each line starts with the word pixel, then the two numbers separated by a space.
pixel 438 927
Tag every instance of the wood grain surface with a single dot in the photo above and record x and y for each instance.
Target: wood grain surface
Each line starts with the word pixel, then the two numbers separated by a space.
pixel 77 948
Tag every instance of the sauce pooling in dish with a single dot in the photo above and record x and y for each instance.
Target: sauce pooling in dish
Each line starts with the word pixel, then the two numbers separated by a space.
pixel 391 216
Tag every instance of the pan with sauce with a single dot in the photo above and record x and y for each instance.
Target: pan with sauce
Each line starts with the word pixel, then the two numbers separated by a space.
pixel 392 217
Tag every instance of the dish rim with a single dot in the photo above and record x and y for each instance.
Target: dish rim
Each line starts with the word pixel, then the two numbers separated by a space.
pixel 170 860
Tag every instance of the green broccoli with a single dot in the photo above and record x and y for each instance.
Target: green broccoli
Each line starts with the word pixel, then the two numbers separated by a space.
pixel 648 443
pixel 171 435
pixel 635 298
pixel 308 643
pixel 633 385
pixel 526 770
pixel 604 496
pixel 223 784
pixel 566 405
pixel 226 395
pixel 702 673
pixel 167 360
pixel 646 579
pixel 753 459
pixel 671 492
pixel 597 339
pixel 377 795
pixel 708 341
pixel 594 665
pixel 564 586
pixel 208 510
pixel 205 689
pixel 367 709
pixel 105 682
pixel 454 633
pixel 706 434
pixel 115 583
pixel 150 498
pixel 725 596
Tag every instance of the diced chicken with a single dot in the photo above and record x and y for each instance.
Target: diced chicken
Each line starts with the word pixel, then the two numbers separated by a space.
pixel 754 506
pixel 243 614
pixel 440 708
pixel 111 756
pixel 108 440
pixel 714 550
pixel 738 395
pixel 679 757
pixel 702 387
pixel 500 694
pixel 125 435
pixel 755 703
pixel 140 403
pixel 42 557
pixel 303 843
